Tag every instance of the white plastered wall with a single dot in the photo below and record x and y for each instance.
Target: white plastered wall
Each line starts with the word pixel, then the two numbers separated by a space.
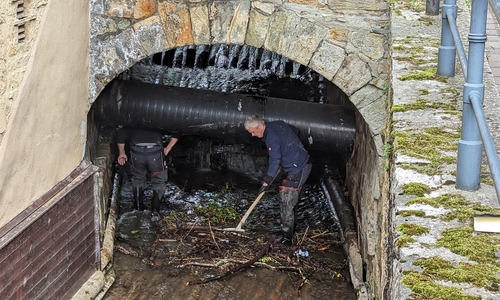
pixel 46 130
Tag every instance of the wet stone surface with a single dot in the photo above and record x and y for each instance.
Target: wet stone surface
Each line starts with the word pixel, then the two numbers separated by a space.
pixel 170 259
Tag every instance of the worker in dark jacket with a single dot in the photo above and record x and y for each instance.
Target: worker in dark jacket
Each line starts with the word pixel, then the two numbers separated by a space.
pixel 146 154
pixel 285 150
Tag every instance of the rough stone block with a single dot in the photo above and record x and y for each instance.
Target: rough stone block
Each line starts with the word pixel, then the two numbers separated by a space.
pixel 150 34
pixel 353 75
pixel 176 23
pixel 119 8
pixel 144 9
pixel 327 59
pixel 200 24
pixel 229 21
pixel 257 29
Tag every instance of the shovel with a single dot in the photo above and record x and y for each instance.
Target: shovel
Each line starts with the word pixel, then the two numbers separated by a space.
pixel 238 228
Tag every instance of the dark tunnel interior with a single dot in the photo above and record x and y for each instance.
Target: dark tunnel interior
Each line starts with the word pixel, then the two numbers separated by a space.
pixel 235 69
pixel 203 94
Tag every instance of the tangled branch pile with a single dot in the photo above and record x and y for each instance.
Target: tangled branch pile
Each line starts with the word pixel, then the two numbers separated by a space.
pixel 181 245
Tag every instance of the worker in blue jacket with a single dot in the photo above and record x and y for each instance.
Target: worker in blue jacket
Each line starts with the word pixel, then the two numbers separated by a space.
pixel 286 151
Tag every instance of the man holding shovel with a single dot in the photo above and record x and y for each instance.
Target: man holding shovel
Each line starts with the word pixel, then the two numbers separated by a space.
pixel 286 151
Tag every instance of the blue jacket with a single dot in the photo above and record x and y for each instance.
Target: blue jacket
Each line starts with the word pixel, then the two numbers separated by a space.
pixel 285 149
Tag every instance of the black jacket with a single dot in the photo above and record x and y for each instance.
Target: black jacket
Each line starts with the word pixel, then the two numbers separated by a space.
pixel 285 149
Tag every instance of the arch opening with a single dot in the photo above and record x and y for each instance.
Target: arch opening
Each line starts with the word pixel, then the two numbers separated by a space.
pixel 216 69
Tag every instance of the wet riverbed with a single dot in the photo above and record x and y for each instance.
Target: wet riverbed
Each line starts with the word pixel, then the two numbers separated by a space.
pixel 168 259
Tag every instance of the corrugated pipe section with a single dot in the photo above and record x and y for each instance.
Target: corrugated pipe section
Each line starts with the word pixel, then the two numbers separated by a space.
pixel 323 127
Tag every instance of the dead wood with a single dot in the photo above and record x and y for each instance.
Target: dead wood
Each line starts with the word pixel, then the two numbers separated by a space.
pixel 153 250
pixel 213 237
pixel 223 262
pixel 127 250
pixel 261 253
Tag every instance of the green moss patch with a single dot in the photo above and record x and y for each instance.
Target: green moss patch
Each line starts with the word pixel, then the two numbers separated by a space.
pixel 423 104
pixel 411 212
pixel 424 288
pixel 461 209
pixel 404 241
pixel 426 74
pixel 483 271
pixel 408 230
pixel 427 145
pixel 417 50
pixel 428 21
pixel 415 188
pixel 476 246
pixel 416 59
pixel 480 275
pixel 412 229
pixel 413 5
pixel 452 92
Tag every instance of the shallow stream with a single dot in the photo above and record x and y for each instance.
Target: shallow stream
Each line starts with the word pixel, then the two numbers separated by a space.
pixel 164 260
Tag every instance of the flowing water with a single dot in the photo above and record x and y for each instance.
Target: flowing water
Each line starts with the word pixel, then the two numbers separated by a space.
pixel 154 262
pixel 164 260
pixel 233 69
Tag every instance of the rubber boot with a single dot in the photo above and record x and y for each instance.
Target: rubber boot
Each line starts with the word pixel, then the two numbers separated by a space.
pixel 155 210
pixel 289 199
pixel 139 198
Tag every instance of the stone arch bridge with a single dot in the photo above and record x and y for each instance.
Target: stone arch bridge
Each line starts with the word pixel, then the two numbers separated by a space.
pixel 62 54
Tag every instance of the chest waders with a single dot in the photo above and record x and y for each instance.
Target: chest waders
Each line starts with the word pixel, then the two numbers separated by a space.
pixel 290 193
pixel 138 198
pixel 288 210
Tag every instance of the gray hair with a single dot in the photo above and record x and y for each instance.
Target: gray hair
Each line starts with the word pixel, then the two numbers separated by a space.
pixel 253 121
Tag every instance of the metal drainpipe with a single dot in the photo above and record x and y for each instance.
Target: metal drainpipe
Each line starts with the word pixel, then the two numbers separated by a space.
pixel 447 50
pixel 470 145
pixel 432 7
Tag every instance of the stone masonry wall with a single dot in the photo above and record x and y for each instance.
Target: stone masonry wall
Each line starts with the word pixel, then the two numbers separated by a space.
pixel 345 41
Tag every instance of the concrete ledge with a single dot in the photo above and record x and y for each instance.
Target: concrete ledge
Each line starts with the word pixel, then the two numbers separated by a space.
pixel 91 288
pixel 436 126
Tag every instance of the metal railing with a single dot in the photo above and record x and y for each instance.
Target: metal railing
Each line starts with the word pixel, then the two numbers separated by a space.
pixel 475 131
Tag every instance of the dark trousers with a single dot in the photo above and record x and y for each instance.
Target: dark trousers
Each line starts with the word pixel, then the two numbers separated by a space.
pixel 297 180
pixel 142 161
pixel 290 193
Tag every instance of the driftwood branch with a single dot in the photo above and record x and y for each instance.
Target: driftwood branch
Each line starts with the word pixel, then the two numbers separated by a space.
pixel 213 237
pixel 261 253
pixel 223 262
pixel 153 250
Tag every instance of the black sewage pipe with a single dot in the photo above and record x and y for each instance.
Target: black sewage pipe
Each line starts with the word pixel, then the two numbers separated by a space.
pixel 334 194
pixel 323 127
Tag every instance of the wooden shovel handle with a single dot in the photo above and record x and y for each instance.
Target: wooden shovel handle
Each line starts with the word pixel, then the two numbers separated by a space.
pixel 250 209
pixel 255 202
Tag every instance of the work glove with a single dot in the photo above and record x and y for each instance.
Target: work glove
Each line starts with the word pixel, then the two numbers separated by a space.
pixel 268 179
pixel 262 188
